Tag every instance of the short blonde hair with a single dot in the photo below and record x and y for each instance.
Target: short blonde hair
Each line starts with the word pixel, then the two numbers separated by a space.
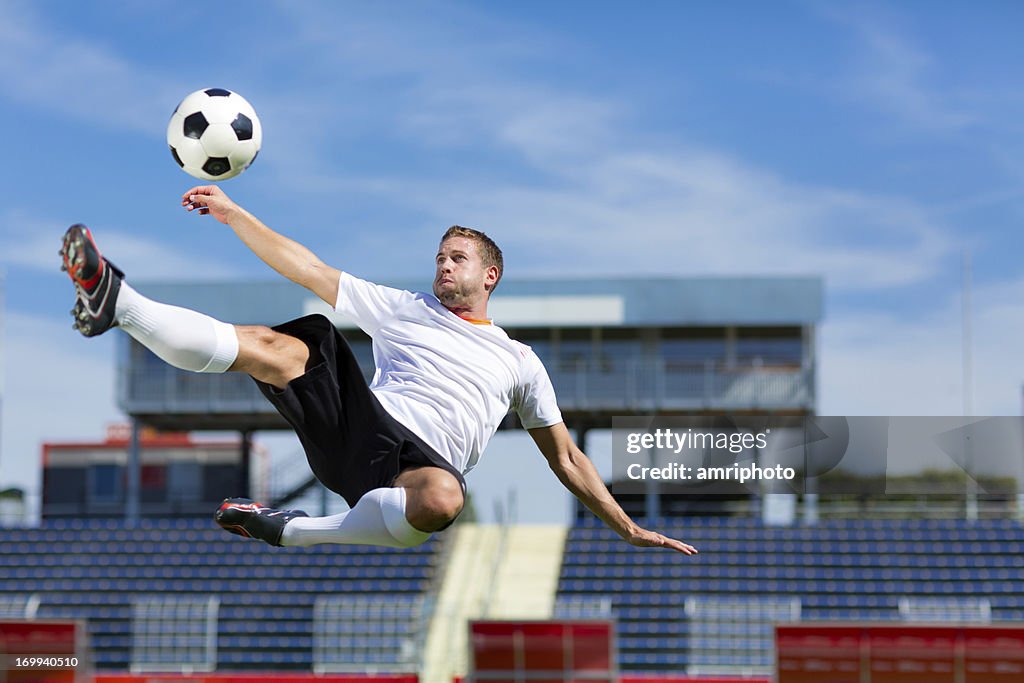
pixel 490 254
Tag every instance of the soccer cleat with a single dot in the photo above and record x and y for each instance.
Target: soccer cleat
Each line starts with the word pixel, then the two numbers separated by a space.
pixel 97 281
pixel 248 518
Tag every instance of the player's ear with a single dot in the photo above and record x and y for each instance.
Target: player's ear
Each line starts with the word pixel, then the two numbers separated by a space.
pixel 490 277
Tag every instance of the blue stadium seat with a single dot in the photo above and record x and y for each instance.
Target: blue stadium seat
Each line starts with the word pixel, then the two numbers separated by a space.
pixel 93 569
pixel 840 569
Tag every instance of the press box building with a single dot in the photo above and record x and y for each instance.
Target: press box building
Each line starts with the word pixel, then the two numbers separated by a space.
pixel 650 346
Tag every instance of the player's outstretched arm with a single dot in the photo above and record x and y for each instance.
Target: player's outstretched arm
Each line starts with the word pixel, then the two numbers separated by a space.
pixel 574 469
pixel 286 256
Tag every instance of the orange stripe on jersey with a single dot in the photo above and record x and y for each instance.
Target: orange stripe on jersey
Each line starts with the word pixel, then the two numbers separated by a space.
pixel 475 321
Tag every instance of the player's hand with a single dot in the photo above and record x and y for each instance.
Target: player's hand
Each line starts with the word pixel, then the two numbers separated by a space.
pixel 209 199
pixel 649 539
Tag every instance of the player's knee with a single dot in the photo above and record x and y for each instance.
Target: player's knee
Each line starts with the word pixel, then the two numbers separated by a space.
pixel 443 509
pixel 256 342
pixel 270 356
pixel 264 339
pixel 434 506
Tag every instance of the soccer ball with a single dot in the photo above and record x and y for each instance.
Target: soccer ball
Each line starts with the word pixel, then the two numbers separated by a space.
pixel 214 134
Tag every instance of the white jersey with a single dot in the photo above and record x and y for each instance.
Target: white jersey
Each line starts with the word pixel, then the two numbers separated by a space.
pixel 450 381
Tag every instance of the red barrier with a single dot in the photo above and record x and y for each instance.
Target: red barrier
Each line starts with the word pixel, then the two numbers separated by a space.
pixel 899 654
pixel 876 653
pixel 994 654
pixel 251 678
pixel 543 651
pixel 43 651
pixel 693 679
pixel 671 678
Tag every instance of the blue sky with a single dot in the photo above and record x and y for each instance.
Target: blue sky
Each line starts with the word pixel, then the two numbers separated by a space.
pixel 869 143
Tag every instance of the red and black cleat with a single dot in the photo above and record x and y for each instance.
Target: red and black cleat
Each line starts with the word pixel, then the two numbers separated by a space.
pixel 97 281
pixel 248 518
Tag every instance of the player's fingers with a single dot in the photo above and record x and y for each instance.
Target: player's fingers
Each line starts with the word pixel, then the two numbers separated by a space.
pixel 684 548
pixel 196 201
pixel 197 190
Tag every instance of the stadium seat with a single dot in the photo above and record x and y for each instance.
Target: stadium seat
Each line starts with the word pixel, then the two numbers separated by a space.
pixel 839 569
pixel 93 569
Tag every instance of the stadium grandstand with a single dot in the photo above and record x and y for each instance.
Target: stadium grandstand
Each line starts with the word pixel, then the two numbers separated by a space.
pixel 853 588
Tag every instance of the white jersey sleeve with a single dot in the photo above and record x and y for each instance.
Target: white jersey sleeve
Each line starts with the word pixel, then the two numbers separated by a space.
pixel 368 304
pixel 534 399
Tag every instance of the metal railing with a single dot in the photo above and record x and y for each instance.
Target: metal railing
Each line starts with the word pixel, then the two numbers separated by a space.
pixel 735 634
pixel 19 606
pixel 962 610
pixel 174 634
pixel 369 635
pixel 583 607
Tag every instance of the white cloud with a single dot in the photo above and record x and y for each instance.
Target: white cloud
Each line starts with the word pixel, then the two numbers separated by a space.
pixel 686 213
pixel 574 188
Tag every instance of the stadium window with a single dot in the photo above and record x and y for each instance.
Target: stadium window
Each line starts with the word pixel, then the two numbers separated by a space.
pixel 575 349
pixel 619 348
pixel 692 348
pixel 105 483
pixel 771 346
pixel 153 480
pixel 184 481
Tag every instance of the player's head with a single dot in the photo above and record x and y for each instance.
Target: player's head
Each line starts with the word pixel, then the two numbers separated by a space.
pixel 468 264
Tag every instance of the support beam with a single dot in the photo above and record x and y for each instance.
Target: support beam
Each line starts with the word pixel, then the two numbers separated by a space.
pixel 133 475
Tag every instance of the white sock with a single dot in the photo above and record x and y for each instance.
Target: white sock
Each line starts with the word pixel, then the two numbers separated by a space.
pixel 377 519
pixel 184 338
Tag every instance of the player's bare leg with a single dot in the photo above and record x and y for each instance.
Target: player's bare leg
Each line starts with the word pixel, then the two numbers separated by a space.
pixel 270 356
pixel 433 497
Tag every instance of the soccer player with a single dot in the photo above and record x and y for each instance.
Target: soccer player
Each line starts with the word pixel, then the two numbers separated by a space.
pixel 396 450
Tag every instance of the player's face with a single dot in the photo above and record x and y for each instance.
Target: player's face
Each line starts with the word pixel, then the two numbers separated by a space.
pixel 460 274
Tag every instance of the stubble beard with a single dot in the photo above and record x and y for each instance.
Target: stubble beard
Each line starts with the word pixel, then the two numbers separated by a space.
pixel 450 297
pixel 459 296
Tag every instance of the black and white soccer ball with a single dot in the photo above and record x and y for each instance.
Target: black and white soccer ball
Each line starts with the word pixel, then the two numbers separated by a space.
pixel 214 134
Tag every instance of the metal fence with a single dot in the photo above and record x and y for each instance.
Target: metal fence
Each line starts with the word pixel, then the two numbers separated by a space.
pixel 582 607
pixel 174 634
pixel 19 606
pixel 946 610
pixel 736 634
pixel 369 635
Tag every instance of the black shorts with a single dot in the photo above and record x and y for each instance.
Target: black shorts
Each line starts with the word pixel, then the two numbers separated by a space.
pixel 352 443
